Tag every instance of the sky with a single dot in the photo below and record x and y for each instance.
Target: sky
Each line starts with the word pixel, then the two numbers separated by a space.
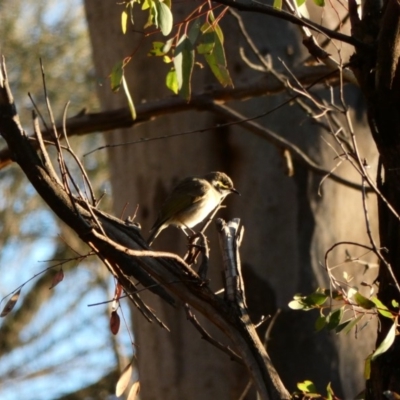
pixel 67 339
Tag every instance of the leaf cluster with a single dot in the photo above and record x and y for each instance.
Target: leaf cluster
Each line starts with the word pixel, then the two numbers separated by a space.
pixel 346 311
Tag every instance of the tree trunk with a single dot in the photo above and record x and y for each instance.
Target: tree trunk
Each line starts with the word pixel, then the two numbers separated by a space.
pixel 288 226
pixel 382 88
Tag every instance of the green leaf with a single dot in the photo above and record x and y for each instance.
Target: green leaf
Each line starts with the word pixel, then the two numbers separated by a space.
pixel 129 98
pixel 301 2
pixel 164 18
pixel 277 4
pixel 319 3
pixel 363 301
pixel 341 326
pixel 157 49
pixel 307 387
pixel 367 367
pixel 320 323
pixel 395 304
pixel 183 63
pixel 172 81
pixel 207 43
pixel 116 76
pixel 334 319
pixel 215 27
pixel 382 309
pixel 316 299
pixel 296 305
pixel 216 58
pixel 194 31
pixel 167 47
pixel 352 323
pixel 386 343
pixel 329 392
pixel 152 19
pixel 124 21
pixel 147 4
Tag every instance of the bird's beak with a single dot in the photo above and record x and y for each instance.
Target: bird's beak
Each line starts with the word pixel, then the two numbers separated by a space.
pixel 233 190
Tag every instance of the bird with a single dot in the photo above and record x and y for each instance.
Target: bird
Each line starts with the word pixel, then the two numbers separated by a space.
pixel 191 201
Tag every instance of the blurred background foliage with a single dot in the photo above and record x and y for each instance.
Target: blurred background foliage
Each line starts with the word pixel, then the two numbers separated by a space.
pixel 52 336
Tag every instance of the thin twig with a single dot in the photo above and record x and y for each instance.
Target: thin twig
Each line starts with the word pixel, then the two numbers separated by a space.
pixel 270 327
pixel 77 160
pixel 45 156
pixel 280 142
pixel 143 253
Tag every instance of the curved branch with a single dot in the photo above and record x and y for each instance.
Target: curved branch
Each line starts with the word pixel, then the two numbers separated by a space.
pixel 125 251
pixel 85 123
pixel 280 142
pixel 260 8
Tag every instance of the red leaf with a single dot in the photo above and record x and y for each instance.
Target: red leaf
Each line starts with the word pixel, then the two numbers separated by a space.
pixel 114 322
pixel 58 277
pixel 10 304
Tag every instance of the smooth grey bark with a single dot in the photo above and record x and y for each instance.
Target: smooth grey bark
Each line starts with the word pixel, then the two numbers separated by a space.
pixel 288 226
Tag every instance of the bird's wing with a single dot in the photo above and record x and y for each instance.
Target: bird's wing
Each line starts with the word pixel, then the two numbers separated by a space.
pixel 186 193
pixel 194 188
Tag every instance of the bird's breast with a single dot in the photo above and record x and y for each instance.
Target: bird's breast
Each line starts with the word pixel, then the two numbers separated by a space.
pixel 198 211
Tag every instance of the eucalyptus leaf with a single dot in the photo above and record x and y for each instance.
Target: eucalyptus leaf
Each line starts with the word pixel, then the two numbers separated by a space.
pixel 382 309
pixel 215 58
pixel 334 319
pixel 352 323
pixel 296 305
pixel 116 76
pixel 147 4
pixel 172 81
pixel 183 63
pixel 194 31
pixel 367 368
pixel 207 43
pixel 320 323
pixel 124 21
pixel 307 387
pixel 157 49
pixel 316 298
pixel 363 301
pixel 386 343
pixel 129 98
pixel 165 19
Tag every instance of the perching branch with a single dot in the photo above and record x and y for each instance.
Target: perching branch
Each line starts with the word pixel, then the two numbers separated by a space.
pixel 125 253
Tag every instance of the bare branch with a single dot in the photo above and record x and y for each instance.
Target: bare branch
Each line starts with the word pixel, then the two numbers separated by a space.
pixel 261 8
pixel 85 123
pixel 281 143
pixel 126 254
